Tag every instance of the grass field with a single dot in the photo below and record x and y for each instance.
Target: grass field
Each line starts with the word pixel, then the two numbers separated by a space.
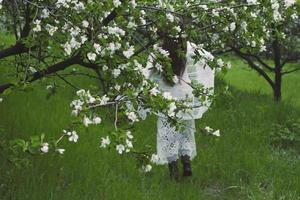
pixel 241 164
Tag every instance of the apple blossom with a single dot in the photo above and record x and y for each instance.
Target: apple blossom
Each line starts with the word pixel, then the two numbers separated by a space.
pixel 105 142
pixel 120 148
pixel 147 168
pixel 60 151
pixel 45 148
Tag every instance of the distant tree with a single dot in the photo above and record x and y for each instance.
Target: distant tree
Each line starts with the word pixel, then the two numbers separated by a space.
pixel 272 43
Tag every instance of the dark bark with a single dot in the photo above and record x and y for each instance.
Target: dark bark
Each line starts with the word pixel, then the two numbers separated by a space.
pixel 277 71
pixel 4 87
pixel 16 49
pixel 277 87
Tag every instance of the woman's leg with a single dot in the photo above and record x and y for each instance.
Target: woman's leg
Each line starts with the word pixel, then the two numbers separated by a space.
pixel 187 148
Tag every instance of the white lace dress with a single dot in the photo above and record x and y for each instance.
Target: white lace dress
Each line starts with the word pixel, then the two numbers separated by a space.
pixel 171 143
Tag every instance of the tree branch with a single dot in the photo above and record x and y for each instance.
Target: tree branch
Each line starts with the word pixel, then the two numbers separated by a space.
pixel 5 86
pixel 291 71
pixel 16 49
pixel 50 70
pixel 56 67
pixel 254 66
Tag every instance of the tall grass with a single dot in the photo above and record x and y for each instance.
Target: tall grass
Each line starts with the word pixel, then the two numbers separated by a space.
pixel 239 165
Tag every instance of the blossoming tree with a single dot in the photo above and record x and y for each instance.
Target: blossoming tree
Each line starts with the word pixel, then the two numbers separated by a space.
pixel 272 32
pixel 122 41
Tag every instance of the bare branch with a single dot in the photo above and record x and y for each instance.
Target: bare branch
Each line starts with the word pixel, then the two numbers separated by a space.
pixel 290 71
pixel 254 66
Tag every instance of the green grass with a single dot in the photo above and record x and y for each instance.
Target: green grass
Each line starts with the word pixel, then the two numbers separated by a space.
pixel 239 165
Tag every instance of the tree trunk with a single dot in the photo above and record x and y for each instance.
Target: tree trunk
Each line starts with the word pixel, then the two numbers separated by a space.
pixel 278 74
pixel 277 87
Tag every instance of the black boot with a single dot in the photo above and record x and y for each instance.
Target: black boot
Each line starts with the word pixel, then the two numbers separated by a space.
pixel 174 172
pixel 187 168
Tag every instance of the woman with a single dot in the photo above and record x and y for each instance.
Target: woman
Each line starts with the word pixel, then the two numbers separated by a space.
pixel 172 144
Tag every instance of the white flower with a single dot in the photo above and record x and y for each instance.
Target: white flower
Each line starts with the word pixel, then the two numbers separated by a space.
pixel 37 27
pixel 45 148
pixel 232 26
pixel 208 129
pixel 161 50
pixel 263 48
pixel 73 137
pixel 116 31
pixel 170 17
pixel 147 168
pixel 129 143
pixel 81 93
pixel 1 100
pixel 154 91
pixel 154 158
pixel 97 120
pixel 131 25
pixel 120 148
pixel 97 48
pixel 251 1
pixel 128 53
pixel 244 26
pixel 45 13
pixel 216 133
pixel 83 38
pixel 104 100
pixel 133 3
pixel 87 121
pixel 77 104
pixel 91 56
pixel 85 23
pixel 105 142
pixel 91 99
pixel 220 62
pixel 105 67
pixel 177 28
pixel 289 3
pixel 67 48
pixel 117 87
pixel 116 72
pixel 60 151
pixel 294 16
pixel 49 87
pixel 172 108
pixel 75 113
pixel 159 67
pixel 132 116
pixel 32 70
pixel 116 3
pixel 51 29
pixel 229 65
pixel 129 135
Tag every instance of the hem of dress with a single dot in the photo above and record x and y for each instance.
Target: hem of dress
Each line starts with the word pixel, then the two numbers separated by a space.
pixel 165 161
